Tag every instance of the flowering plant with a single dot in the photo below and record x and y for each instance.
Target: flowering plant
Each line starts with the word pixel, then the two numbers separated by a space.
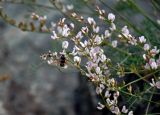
pixel 91 39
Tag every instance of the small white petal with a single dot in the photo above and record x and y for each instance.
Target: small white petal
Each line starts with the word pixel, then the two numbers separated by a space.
pixel 77 59
pixel 114 43
pixel 153 64
pixel 107 34
pixel 146 47
pixel 142 39
pixel 130 113
pixel 91 21
pixel 70 7
pixel 97 40
pixel 158 84
pixel 124 110
pixel 107 94
pixel 125 31
pixel 111 17
pixel 98 70
pixel 144 56
pixel 96 29
pixel 72 25
pixel 54 36
pixel 103 58
pixel 65 44
pixel 100 106
pixel 98 90
pixel 113 27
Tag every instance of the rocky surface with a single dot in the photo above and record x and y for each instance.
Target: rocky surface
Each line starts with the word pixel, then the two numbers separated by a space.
pixel 35 88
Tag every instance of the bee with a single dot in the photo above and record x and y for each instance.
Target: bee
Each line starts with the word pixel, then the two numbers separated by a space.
pixel 55 59
pixel 62 60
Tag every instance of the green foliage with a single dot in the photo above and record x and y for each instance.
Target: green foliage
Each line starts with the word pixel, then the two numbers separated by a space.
pixel 151 32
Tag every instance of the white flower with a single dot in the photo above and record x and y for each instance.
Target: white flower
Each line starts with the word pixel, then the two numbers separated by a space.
pixel 74 14
pixel 94 51
pixel 147 66
pixel 98 90
pixel 54 36
pixel 100 106
pixel 154 51
pixel 50 61
pixel 72 25
pixel 96 29
pixel 65 31
pixel 65 44
pixel 132 40
pixel 125 31
pixel 103 58
pixel 158 21
pixel 158 84
pixel 155 84
pixel 158 61
pixel 153 64
pixel 85 42
pixel 113 27
pixel 130 113
pixel 77 59
pixel 98 70
pixel 115 110
pixel 144 56
pixel 91 21
pixel 107 34
pixel 82 44
pixel 107 94
pixel 114 43
pixel 146 47
pixel 102 86
pixel 74 52
pixel 124 110
pixel 85 30
pixel 110 102
pixel 79 35
pixel 90 65
pixel 97 40
pixel 142 39
pixel 111 17
pixel 116 94
pixel 70 7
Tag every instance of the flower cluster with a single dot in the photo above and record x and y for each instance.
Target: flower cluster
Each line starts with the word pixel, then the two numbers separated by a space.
pixel 150 57
pixel 88 45
pixel 92 45
pixel 150 53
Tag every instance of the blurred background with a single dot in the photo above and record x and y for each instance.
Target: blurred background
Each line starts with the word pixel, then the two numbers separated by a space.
pixel 29 86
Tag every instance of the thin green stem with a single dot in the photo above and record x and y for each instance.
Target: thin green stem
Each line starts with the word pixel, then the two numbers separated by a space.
pixel 123 18
pixel 139 97
pixel 28 4
pixel 119 50
pixel 134 5
pixel 140 79
pixel 147 109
